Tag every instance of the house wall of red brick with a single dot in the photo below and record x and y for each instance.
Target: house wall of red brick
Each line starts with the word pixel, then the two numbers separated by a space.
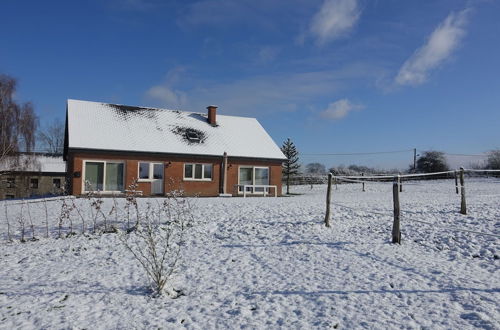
pixel 233 170
pixel 173 172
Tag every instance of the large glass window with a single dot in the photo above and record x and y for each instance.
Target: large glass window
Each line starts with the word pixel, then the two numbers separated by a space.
pixel 246 176
pixel 261 177
pixel 114 177
pixel 94 176
pixel 253 176
pixel 198 172
pixel 104 176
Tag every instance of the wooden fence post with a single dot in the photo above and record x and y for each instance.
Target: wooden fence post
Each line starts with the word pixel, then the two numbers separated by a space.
pixel 463 204
pixel 456 182
pixel 335 181
pixel 8 223
pixel 400 184
pixel 363 174
pixel 396 232
pixel 328 198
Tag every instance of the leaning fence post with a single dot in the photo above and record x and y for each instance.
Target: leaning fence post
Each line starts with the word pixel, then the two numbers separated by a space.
pixel 456 181
pixel 363 174
pixel 463 205
pixel 328 198
pixel 396 232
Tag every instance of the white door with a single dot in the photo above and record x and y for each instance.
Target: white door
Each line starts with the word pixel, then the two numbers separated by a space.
pixel 157 182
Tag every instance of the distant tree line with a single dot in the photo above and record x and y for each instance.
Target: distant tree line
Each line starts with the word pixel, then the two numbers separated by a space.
pixel 428 162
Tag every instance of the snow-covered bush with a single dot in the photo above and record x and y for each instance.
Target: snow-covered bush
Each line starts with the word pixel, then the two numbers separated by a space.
pixel 158 238
pixel 493 161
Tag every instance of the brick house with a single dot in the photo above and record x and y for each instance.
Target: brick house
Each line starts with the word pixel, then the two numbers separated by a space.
pixel 109 146
pixel 32 175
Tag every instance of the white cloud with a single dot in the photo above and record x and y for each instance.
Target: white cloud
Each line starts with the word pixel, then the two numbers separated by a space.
pixel 445 39
pixel 334 20
pixel 250 96
pixel 339 109
pixel 164 94
pixel 167 96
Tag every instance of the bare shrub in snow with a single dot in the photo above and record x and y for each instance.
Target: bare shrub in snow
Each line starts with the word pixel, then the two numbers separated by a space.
pixel 131 203
pixel 64 216
pixel 96 201
pixel 22 224
pixel 157 240
pixel 32 225
pixel 75 207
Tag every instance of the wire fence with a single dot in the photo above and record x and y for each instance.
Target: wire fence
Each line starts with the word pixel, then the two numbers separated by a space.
pixel 397 183
pixel 65 216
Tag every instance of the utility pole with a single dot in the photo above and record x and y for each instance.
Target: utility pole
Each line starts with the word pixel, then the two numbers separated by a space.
pixel 414 160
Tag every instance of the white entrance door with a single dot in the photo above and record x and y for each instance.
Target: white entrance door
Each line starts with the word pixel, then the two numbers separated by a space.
pixel 157 182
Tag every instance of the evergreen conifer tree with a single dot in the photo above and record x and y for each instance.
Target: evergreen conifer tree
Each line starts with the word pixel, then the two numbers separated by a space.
pixel 291 165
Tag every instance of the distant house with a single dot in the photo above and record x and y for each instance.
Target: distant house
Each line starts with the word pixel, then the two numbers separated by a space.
pixel 32 175
pixel 108 147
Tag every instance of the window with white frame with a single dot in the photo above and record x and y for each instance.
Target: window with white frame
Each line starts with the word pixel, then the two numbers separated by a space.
pixel 105 176
pixel 150 171
pixel 253 176
pixel 198 172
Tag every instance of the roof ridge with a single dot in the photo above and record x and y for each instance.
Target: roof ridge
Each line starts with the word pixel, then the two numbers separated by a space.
pixel 156 108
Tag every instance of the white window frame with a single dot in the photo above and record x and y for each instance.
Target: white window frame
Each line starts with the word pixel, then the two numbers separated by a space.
pixel 202 172
pixel 252 190
pixel 104 175
pixel 151 168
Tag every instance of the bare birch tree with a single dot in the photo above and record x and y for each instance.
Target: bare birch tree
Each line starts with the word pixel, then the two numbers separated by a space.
pixel 18 124
pixel 51 137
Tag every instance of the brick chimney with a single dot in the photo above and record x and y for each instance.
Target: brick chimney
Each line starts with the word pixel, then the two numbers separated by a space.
pixel 212 114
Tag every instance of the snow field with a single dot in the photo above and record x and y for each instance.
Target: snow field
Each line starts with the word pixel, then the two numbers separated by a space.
pixel 270 263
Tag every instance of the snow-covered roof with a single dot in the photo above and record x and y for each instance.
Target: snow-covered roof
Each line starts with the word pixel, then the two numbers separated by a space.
pixel 103 126
pixel 34 163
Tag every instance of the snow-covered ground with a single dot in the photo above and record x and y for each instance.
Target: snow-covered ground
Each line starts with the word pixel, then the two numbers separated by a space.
pixel 270 263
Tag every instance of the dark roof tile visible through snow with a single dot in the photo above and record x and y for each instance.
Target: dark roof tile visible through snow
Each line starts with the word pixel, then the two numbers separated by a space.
pixel 103 126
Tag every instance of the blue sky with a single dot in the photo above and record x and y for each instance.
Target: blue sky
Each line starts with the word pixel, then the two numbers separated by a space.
pixel 336 76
